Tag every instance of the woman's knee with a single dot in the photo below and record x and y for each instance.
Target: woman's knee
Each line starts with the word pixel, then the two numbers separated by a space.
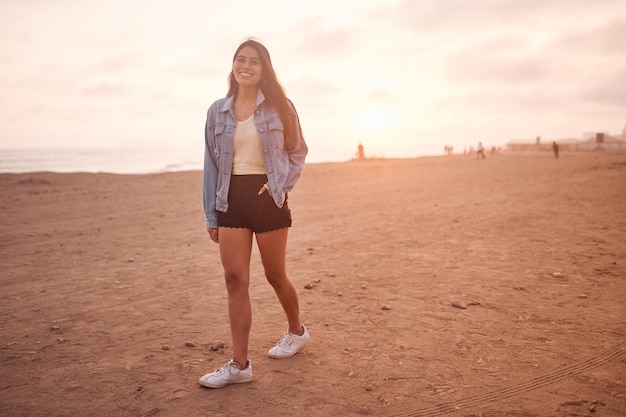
pixel 277 279
pixel 235 280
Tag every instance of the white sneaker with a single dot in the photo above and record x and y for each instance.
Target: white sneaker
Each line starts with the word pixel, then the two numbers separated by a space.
pixel 289 344
pixel 229 373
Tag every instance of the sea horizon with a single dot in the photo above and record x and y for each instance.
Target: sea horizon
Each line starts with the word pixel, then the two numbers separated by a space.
pixel 105 160
pixel 122 160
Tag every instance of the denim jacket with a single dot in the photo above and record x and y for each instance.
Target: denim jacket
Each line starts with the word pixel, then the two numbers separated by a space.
pixel 283 167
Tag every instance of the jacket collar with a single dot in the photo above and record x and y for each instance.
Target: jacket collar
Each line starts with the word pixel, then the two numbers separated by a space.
pixel 228 104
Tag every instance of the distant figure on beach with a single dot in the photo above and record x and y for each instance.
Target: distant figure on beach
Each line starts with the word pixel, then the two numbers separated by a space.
pixel 360 152
pixel 448 150
pixel 254 155
pixel 480 151
pixel 555 149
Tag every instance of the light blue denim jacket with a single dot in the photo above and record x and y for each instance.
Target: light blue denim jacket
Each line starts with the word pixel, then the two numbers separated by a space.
pixel 283 168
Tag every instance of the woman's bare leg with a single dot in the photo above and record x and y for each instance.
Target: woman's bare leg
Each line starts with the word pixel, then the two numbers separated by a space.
pixel 235 251
pixel 273 249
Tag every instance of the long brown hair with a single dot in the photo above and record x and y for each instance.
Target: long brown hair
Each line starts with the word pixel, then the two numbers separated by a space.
pixel 273 92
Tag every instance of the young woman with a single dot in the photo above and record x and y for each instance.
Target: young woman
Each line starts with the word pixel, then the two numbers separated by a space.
pixel 254 155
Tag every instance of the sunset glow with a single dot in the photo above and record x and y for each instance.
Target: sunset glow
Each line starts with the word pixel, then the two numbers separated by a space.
pixel 372 118
pixel 405 77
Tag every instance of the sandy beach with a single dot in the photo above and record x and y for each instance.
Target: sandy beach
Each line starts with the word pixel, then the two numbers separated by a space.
pixel 112 293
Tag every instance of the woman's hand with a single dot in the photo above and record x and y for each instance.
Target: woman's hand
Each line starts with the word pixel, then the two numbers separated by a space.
pixel 264 188
pixel 213 233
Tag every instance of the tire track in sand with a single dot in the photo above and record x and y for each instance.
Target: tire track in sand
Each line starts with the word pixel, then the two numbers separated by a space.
pixel 615 353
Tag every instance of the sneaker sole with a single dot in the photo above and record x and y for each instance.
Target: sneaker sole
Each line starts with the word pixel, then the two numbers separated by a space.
pixel 208 385
pixel 288 356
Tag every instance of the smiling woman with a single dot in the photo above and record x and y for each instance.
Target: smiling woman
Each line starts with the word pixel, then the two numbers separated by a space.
pixel 254 155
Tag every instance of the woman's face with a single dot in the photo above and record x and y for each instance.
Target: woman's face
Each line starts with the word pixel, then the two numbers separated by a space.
pixel 247 67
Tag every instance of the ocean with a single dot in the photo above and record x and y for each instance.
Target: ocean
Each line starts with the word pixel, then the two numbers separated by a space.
pixel 130 161
pixel 117 161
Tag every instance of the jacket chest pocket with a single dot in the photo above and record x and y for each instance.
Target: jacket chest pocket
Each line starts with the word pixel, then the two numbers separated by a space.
pixel 277 132
pixel 218 138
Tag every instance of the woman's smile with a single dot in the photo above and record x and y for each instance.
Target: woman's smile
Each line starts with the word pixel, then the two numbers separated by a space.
pixel 247 67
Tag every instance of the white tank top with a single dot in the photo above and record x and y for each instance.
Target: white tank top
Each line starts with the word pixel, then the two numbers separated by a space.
pixel 247 154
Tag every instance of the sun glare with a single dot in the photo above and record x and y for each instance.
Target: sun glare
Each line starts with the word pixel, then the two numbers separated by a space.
pixel 372 118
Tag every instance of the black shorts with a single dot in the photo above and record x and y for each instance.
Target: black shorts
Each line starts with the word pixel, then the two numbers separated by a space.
pixel 249 210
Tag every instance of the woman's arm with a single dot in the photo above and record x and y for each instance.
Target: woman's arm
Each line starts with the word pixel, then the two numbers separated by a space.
pixel 297 155
pixel 209 179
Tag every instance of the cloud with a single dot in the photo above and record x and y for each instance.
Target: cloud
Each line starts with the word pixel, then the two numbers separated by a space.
pixel 119 63
pixel 605 39
pixel 327 44
pixel 457 22
pixel 317 98
pixel 315 87
pixel 200 71
pixel 497 101
pixel 505 15
pixel 570 70
pixel 499 60
pixel 609 90
pixel 106 90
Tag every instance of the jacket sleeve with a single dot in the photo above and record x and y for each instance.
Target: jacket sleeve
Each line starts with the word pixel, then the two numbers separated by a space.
pixel 210 174
pixel 297 155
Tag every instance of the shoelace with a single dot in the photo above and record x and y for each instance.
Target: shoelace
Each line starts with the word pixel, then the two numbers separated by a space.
pixel 287 339
pixel 228 368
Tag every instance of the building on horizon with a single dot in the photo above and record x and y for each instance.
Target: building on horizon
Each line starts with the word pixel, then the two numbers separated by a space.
pixel 598 141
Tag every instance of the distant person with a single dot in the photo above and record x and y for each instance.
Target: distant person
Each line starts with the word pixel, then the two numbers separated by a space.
pixel 555 149
pixel 254 155
pixel 360 152
pixel 480 151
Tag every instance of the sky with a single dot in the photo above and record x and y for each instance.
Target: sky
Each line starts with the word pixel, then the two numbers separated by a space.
pixel 404 77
